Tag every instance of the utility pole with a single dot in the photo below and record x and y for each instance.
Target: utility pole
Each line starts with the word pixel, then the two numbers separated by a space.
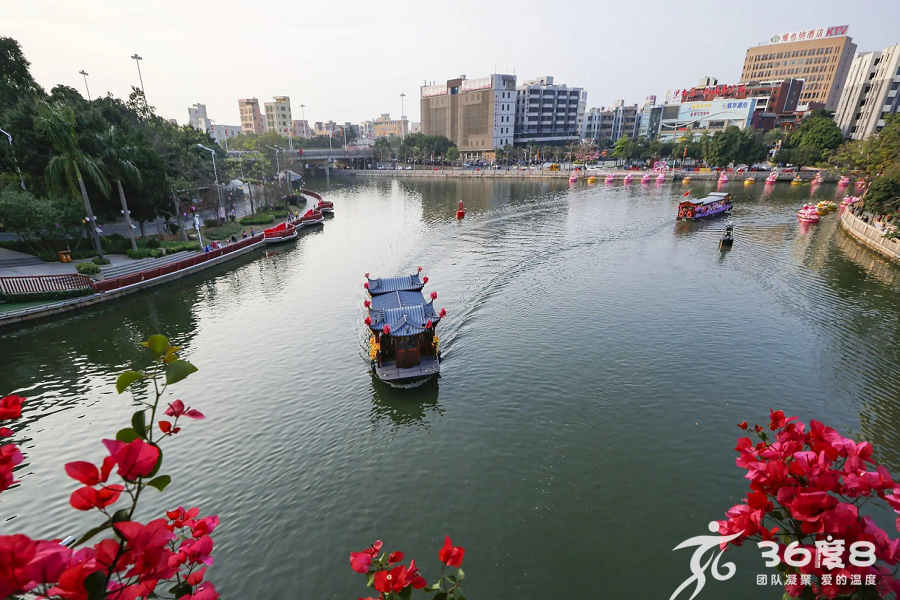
pixel 137 60
pixel 82 72
pixel 402 96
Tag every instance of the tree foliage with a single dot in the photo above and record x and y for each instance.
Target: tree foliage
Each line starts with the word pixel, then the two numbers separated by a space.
pixel 817 136
pixel 417 147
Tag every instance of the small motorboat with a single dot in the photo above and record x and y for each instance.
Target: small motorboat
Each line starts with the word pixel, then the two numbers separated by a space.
pixel 310 217
pixel 727 237
pixel 808 214
pixel 610 178
pixel 283 232
pixel 772 178
pixel 645 178
pixel 750 181
pixel 826 205
pixel 796 181
pixel 660 178
pixel 460 211
pixel 844 181
pixel 628 179
pixel 723 178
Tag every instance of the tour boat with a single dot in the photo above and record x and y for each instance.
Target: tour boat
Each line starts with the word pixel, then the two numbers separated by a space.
pixel 750 181
pixel 283 232
pixel 772 178
pixel 827 206
pixel 645 178
pixel 660 178
pixel 818 179
pixel 796 180
pixel 848 200
pixel 628 179
pixel 310 217
pixel 727 237
pixel 715 203
pixel 324 206
pixel 844 180
pixel 610 178
pixel 808 214
pixel 723 178
pixel 403 345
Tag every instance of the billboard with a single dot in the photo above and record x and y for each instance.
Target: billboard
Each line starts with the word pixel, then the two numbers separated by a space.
pixel 717 110
pixel 471 85
pixel 434 90
pixel 808 34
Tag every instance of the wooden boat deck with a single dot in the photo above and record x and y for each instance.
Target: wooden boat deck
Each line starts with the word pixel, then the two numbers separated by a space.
pixel 388 371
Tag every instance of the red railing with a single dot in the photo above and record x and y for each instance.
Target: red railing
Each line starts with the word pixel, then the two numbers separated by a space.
pixel 313 194
pixel 43 283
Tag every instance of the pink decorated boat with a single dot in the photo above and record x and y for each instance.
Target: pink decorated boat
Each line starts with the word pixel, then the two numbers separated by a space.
pixel 772 178
pixel 848 200
pixel 844 181
pixel 660 178
pixel 628 179
pixel 808 214
pixel 723 178
pixel 645 178
pixel 610 178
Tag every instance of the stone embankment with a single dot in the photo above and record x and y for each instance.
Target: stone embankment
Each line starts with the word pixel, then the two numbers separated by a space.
pixel 869 236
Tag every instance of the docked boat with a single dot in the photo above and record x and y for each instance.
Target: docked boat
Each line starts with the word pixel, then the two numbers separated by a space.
pixel 727 237
pixel 796 181
pixel 403 343
pixel 844 181
pixel 310 217
pixel 628 179
pixel 610 178
pixel 687 179
pixel 694 210
pixel 645 178
pixel 808 214
pixel 321 205
pixel 592 179
pixel 283 232
pixel 723 178
pixel 573 178
pixel 661 178
pixel 772 178
pixel 826 205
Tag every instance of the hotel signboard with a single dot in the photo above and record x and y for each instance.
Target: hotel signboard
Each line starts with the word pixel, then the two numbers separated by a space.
pixel 809 34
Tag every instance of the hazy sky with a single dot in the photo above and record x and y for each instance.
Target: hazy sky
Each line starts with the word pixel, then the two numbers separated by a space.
pixel 349 60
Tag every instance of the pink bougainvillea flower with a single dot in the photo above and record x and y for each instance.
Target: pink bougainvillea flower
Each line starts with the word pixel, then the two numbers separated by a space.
pixel 11 407
pixel 16 551
pixel 176 409
pixel 204 526
pixel 398 578
pixel 83 471
pixel 150 545
pixel 195 577
pixel 49 561
pixel 10 456
pixel 6 432
pixel 204 591
pixel 361 561
pixel 395 557
pixel 167 428
pixel 135 459
pixel 86 498
pixel 179 516
pixel 451 555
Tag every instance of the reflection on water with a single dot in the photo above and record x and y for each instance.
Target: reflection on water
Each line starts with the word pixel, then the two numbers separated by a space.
pixel 597 355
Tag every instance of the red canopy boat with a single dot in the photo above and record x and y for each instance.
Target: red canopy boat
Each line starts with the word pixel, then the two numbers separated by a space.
pixel 310 217
pixel 283 232
pixel 321 205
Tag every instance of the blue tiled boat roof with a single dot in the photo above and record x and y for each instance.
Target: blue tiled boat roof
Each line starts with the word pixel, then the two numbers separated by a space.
pixel 384 285
pixel 397 299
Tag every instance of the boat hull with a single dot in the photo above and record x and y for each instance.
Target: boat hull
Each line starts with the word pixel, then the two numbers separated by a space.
pixel 280 240
pixel 707 215
pixel 389 372
pixel 310 222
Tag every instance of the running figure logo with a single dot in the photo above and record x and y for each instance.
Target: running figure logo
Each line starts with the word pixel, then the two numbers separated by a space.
pixel 698 568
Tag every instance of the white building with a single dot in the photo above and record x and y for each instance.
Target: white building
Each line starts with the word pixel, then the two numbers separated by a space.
pixel 870 92
pixel 367 130
pixel 222 132
pixel 278 116
pixel 609 124
pixel 197 117
pixel 548 113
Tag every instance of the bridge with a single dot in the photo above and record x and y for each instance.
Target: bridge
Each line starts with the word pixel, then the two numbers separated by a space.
pixel 314 159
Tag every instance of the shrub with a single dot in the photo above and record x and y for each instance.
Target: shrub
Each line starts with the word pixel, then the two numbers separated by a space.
pixel 210 223
pixel 223 232
pixel 180 246
pixel 45 296
pixel 174 228
pixel 258 220
pixel 100 261
pixel 47 256
pixel 154 244
pixel 82 254
pixel 139 253
pixel 276 214
pixel 88 268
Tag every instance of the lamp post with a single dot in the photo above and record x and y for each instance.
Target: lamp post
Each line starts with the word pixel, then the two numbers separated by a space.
pixel 84 73
pixel 216 174
pixel 21 179
pixel 303 116
pixel 137 60
pixel 277 165
pixel 402 97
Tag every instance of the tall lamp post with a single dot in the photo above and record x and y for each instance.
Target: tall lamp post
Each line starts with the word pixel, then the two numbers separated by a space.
pixel 84 74
pixel 9 137
pixel 277 165
pixel 402 97
pixel 216 174
pixel 137 60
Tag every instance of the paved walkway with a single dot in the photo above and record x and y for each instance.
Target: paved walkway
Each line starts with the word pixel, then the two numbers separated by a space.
pixel 117 269
pixel 49 268
pixel 11 258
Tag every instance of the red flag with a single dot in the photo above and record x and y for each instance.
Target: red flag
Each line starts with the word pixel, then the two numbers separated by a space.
pixel 687 193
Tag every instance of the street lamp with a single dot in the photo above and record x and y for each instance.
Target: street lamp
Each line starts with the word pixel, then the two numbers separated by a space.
pixel 82 72
pixel 137 60
pixel 9 137
pixel 216 174
pixel 402 96
pixel 277 164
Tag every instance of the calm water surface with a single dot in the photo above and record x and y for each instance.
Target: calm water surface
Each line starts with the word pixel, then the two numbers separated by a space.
pixel 596 358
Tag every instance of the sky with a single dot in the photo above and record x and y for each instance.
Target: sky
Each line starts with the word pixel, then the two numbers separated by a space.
pixel 349 60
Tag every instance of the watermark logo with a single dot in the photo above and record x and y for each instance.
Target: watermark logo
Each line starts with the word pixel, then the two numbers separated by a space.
pixel 705 543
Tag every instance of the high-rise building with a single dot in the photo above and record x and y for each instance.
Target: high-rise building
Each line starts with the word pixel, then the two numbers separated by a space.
pixel 415 128
pixel 384 126
pixel 251 118
pixel 278 116
pixel 821 57
pixel 609 124
pixel 326 128
pixel 197 117
pixel 547 113
pixel 478 115
pixel 367 130
pixel 872 91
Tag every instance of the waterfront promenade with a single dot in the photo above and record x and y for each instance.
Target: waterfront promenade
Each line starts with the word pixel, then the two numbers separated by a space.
pixel 870 236
pixel 538 173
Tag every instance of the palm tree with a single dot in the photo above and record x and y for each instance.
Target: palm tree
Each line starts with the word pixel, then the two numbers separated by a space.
pixel 58 123
pixel 115 159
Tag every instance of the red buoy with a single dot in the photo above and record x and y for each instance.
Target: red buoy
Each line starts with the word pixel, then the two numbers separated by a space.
pixel 460 212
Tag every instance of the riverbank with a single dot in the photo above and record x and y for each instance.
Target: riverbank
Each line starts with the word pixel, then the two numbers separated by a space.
pixel 870 236
pixel 536 173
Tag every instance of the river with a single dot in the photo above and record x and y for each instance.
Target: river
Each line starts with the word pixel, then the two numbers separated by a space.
pixel 597 356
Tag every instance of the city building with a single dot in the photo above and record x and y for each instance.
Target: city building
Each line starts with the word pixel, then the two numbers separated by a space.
pixel 384 126
pixel 478 115
pixel 778 96
pixel 651 113
pixel 197 117
pixel 326 128
pixel 821 57
pixel 871 92
pixel 221 133
pixel 609 124
pixel 548 113
pixel 251 118
pixel 415 128
pixel 278 116
pixel 695 118
pixel 367 130
pixel 302 129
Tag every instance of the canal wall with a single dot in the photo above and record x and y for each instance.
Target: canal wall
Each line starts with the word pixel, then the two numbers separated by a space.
pixel 869 236
pixel 564 175
pixel 46 310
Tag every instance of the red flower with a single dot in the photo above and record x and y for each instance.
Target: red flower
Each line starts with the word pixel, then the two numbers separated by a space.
pixel 176 409
pixel 150 545
pixel 49 561
pixel 434 295
pixel 361 561
pixel 167 428
pixel 443 313
pixel 86 498
pixel 366 275
pixel 450 554
pixel 395 557
pixel 428 324
pixel 743 425
pixel 16 551
pixel 11 407
pixel 386 329
pixel 367 303
pixel 194 552
pixel 425 280
pixel 6 432
pixel 205 591
pixel 135 459
pixel 83 471
pixel 366 285
pixel 195 577
pixel 204 526
pixel 179 516
pixel 419 270
pixel 398 578
pixel 367 321
pixel 10 456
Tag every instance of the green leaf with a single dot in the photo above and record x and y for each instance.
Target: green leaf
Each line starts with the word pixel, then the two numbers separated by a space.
pixel 182 589
pixel 460 575
pixel 121 515
pixel 126 379
pixel 370 579
pixel 92 533
pixel 95 585
pixel 441 596
pixel 139 423
pixel 158 344
pixel 127 435
pixel 451 578
pixel 160 482
pixel 158 463
pixel 178 370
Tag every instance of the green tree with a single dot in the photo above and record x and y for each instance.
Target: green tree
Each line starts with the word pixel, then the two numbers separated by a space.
pixel 383 150
pixel 116 162
pixel 883 196
pixel 16 81
pixel 452 154
pixel 58 124
pixel 622 148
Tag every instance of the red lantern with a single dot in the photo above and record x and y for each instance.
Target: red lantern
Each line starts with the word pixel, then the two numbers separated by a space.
pixel 420 269
pixel 368 321
pixel 434 295
pixel 367 303
pixel 425 279
pixel 443 313
pixel 428 324
pixel 366 285
pixel 367 275
pixel 386 329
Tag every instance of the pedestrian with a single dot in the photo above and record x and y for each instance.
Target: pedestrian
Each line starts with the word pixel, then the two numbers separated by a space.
pixel 243 235
pixel 251 232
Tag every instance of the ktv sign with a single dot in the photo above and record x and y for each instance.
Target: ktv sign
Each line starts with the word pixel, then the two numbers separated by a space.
pixel 809 34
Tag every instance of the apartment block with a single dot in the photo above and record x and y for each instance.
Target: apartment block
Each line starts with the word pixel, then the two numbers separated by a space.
pixel 872 92
pixel 251 118
pixel 278 116
pixel 547 113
